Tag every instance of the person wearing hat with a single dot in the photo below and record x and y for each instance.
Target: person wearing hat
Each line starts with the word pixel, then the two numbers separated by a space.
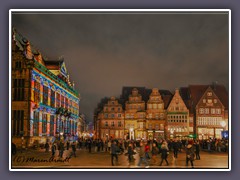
pixel 189 155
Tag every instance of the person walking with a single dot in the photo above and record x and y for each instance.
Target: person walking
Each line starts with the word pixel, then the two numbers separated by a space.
pixel 109 145
pixel 154 153
pixel 53 149
pixel 68 145
pixel 47 147
pixel 175 148
pixel 197 150
pixel 74 149
pixel 147 149
pixel 142 155
pixel 61 149
pixel 89 146
pixel 130 153
pixel 114 150
pixel 164 153
pixel 189 155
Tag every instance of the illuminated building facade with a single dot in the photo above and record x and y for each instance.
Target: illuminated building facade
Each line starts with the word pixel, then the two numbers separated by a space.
pixel 111 121
pixel 45 104
pixel 156 117
pixel 211 115
pixel 177 117
pixel 135 116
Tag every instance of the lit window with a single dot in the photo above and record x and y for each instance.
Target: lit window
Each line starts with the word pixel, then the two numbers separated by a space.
pixel 150 106
pixel 119 124
pixel 106 123
pixel 204 100
pixel 213 111
pixel 201 111
pixel 154 106
pixel 209 101
pixel 218 111
pixel 206 111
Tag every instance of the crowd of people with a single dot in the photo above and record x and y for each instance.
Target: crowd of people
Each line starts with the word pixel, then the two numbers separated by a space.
pixel 150 152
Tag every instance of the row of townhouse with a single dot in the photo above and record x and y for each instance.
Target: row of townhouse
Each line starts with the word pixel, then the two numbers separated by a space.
pixel 198 111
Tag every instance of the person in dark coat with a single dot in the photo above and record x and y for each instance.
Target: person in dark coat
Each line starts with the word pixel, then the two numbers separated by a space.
pixel 74 149
pixel 130 153
pixel 175 148
pixel 89 146
pixel 61 147
pixel 154 153
pixel 53 149
pixel 189 155
pixel 114 151
pixel 68 145
pixel 164 151
pixel 197 148
pixel 47 147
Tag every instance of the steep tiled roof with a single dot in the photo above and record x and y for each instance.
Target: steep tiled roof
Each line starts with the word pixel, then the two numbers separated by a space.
pixel 193 93
pixel 53 64
pixel 222 94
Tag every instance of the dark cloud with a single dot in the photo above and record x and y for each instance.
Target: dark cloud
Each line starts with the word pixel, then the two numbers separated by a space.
pixel 104 52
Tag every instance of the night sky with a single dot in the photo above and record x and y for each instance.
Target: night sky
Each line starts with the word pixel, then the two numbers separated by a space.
pixel 104 52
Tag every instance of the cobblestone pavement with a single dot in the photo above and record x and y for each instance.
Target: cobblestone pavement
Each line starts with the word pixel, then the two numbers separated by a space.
pixel 84 159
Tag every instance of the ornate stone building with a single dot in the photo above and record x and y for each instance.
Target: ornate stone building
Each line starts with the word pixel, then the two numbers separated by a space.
pixel 135 116
pixel 211 114
pixel 156 117
pixel 208 107
pixel 177 117
pixel 111 121
pixel 44 101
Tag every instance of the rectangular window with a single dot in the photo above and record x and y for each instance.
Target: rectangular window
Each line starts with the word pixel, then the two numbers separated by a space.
pixel 119 115
pixel 52 98
pixel 45 95
pixel 18 89
pixel 58 100
pixel 105 115
pixel 206 111
pixel 44 124
pixel 213 111
pixel 18 64
pixel 18 116
pixel 51 125
pixel 112 124
pixel 119 124
pixel 218 111
pixel 201 111
pixel 35 123
pixel 106 124
pixel 112 115
pixel 36 91
pixel 62 101
pixel 66 103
